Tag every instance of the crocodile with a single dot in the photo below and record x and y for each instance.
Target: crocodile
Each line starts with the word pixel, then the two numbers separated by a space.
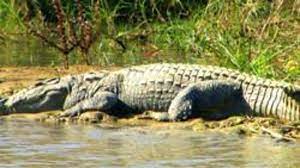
pixel 162 91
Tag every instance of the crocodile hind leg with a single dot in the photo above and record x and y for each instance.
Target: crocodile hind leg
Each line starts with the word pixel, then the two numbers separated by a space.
pixel 102 101
pixel 209 99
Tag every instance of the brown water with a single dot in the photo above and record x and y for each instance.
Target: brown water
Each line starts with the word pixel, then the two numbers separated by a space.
pixel 29 51
pixel 32 144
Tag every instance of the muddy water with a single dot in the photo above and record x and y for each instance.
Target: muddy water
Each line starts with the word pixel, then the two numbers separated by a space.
pixel 33 144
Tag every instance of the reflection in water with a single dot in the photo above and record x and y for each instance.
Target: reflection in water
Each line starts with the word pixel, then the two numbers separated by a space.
pixel 26 50
pixel 31 144
pixel 29 51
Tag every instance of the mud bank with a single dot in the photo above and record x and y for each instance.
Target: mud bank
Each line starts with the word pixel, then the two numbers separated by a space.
pixel 243 126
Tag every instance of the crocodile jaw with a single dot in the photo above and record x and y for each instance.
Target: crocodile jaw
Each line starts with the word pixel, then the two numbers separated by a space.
pixel 44 96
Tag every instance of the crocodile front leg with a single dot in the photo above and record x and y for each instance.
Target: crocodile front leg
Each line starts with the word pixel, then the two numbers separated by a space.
pixel 102 101
pixel 210 100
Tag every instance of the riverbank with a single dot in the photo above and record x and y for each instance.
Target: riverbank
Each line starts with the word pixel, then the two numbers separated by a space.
pixel 243 126
pixel 15 78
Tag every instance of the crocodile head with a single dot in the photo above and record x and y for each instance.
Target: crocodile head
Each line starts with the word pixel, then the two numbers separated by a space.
pixel 45 95
pixel 48 94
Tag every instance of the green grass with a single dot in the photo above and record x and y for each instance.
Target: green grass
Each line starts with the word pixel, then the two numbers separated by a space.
pixel 9 16
pixel 258 37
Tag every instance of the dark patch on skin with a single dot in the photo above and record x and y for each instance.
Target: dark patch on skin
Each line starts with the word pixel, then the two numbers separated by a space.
pixel 3 108
pixel 294 93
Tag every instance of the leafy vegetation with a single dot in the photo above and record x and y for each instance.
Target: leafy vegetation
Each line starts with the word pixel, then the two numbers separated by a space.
pixel 259 37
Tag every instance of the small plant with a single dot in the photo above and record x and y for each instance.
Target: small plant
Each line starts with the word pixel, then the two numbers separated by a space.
pixel 70 32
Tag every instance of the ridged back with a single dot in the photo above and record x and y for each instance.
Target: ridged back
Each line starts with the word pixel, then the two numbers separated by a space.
pixel 160 83
pixel 194 72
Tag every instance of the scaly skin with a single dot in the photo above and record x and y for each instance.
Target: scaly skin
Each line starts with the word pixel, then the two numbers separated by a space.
pixel 50 94
pixel 176 91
